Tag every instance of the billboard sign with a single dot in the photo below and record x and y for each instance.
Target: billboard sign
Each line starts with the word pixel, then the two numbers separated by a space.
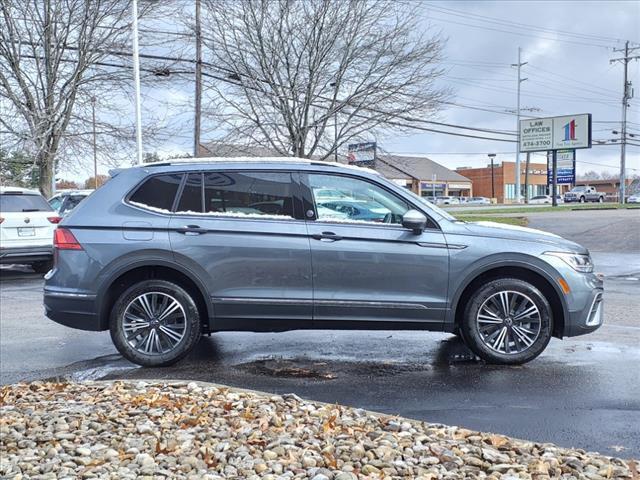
pixel 555 133
pixel 566 168
pixel 362 154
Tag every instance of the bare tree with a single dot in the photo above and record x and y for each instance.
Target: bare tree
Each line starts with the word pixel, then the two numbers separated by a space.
pixel 304 78
pixel 51 63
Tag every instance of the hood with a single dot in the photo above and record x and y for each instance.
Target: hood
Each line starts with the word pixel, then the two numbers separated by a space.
pixel 525 234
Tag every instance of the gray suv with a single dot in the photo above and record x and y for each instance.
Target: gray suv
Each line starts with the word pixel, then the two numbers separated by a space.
pixel 166 252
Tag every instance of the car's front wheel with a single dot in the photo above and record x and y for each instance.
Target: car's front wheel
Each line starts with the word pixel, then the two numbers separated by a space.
pixel 155 323
pixel 507 321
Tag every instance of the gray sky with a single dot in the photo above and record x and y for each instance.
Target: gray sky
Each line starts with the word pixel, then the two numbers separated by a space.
pixel 567 44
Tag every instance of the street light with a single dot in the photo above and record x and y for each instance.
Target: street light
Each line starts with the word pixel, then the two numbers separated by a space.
pixel 493 188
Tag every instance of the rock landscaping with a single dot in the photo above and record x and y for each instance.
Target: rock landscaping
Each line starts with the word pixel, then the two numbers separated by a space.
pixel 143 430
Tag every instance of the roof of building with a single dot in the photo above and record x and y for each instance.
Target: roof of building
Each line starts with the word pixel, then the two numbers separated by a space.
pixel 420 168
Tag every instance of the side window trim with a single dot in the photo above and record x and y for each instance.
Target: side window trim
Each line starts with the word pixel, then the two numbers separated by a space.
pixel 309 199
pixel 149 208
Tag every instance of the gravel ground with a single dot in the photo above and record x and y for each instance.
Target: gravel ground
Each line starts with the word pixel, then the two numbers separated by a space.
pixel 179 430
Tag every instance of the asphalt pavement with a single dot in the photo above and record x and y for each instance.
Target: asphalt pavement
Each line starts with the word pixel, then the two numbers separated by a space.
pixel 581 392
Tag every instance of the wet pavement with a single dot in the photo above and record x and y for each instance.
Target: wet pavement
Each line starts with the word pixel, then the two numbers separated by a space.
pixel 582 392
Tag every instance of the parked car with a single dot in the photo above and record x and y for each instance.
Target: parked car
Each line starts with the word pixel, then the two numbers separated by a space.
pixel 429 198
pixel 538 199
pixel 584 193
pixel 27 222
pixel 479 201
pixel 149 258
pixel 64 202
pixel 633 198
pixel 447 201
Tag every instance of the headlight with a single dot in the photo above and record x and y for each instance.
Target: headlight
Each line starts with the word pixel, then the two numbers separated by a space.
pixel 577 261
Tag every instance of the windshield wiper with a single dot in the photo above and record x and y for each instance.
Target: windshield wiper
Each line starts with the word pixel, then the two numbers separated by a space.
pixel 31 210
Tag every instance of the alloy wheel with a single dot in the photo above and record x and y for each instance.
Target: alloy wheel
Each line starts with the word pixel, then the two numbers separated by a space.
pixel 154 323
pixel 509 322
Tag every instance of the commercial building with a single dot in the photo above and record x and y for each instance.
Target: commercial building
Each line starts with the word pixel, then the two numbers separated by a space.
pixel 424 176
pixel 499 182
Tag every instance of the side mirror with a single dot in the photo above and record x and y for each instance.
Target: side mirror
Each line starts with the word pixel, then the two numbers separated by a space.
pixel 414 220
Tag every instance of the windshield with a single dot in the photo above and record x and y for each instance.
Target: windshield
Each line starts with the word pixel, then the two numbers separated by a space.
pixel 578 189
pixel 430 206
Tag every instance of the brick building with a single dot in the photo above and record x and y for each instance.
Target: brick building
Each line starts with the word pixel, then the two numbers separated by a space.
pixel 504 189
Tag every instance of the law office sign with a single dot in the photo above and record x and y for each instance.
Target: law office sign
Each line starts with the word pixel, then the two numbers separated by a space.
pixel 555 133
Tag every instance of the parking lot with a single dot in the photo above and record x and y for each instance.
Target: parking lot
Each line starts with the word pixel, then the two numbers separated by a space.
pixel 582 392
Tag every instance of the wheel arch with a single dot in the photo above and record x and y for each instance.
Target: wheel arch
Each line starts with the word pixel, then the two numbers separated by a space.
pixel 123 277
pixel 536 276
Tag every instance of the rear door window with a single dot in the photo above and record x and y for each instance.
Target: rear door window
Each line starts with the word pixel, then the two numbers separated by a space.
pixel 191 198
pixel 11 202
pixel 249 194
pixel 157 192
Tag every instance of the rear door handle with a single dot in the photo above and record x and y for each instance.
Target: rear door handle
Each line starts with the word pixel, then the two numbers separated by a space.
pixel 192 230
pixel 326 237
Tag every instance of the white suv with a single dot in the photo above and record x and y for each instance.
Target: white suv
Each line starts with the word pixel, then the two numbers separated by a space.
pixel 27 223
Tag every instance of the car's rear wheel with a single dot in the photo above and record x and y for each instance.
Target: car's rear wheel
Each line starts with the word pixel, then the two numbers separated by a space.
pixel 507 321
pixel 155 323
pixel 42 267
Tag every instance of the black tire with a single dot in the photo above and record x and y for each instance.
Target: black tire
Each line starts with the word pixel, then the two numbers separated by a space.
pixel 582 200
pixel 190 328
pixel 600 200
pixel 43 266
pixel 521 352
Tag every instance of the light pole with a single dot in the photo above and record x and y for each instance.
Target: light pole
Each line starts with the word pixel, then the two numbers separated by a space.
pixel 433 185
pixel 335 123
pixel 136 80
pixel 493 188
pixel 95 148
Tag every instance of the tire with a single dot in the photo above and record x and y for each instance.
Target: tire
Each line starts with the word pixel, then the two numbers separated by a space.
pixel 600 200
pixel 155 341
pixel 582 200
pixel 42 267
pixel 484 322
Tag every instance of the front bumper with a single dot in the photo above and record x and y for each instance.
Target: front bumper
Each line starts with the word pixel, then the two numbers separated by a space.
pixel 588 319
pixel 71 309
pixel 26 254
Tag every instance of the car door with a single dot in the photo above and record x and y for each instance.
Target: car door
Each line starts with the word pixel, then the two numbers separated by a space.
pixel 244 230
pixel 374 269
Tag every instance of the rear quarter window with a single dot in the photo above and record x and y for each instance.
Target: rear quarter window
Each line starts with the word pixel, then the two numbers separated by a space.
pixel 11 202
pixel 157 192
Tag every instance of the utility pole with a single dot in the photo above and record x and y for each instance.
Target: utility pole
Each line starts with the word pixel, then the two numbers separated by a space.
pixel 95 149
pixel 493 188
pixel 520 80
pixel 627 94
pixel 526 177
pixel 198 106
pixel 136 79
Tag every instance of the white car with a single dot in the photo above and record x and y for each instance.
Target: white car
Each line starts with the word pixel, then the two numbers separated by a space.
pixel 447 201
pixel 479 201
pixel 65 201
pixel 538 199
pixel 27 223
pixel 633 198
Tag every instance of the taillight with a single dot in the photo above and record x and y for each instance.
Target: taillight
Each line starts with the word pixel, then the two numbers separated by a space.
pixel 63 239
pixel 55 219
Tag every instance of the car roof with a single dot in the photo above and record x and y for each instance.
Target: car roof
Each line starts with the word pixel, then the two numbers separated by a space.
pixel 251 162
pixel 74 192
pixel 24 191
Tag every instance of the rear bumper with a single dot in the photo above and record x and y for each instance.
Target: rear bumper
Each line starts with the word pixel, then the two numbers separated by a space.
pixel 26 254
pixel 75 310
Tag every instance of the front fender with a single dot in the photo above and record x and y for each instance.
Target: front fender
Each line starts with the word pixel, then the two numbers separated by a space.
pixel 459 281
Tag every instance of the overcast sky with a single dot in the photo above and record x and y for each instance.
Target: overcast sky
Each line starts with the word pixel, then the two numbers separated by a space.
pixel 567 44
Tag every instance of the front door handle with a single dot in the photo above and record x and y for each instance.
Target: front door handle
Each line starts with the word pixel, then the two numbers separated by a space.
pixel 326 237
pixel 192 230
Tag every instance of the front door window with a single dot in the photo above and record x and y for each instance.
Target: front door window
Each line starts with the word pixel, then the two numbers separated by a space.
pixel 346 199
